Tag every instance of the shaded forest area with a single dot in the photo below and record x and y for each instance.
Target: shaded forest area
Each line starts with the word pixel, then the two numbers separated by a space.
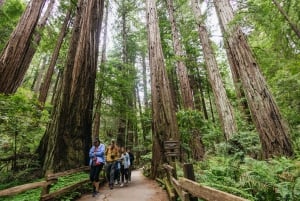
pixel 221 77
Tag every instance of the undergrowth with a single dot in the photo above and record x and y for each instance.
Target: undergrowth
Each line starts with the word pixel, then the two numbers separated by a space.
pixel 62 182
pixel 276 179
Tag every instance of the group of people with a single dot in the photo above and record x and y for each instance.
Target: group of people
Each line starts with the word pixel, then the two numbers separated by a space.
pixel 117 162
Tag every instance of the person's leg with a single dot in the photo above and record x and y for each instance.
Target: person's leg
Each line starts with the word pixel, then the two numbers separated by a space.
pixel 122 173
pixel 117 175
pixel 92 178
pixel 97 172
pixel 108 174
pixel 126 171
pixel 129 173
pixel 112 175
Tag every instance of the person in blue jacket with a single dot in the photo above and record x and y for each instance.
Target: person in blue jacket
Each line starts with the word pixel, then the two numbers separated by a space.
pixel 97 160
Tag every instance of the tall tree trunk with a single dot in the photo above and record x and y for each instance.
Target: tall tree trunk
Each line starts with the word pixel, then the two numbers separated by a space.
pixel 196 143
pixel 173 83
pixel 145 83
pixel 224 107
pixel 122 125
pixel 11 58
pixel 272 130
pixel 144 131
pixel 36 39
pixel 234 66
pixel 164 123
pixel 37 83
pixel 48 76
pixel 96 119
pixel 185 87
pixel 286 17
pixel 70 130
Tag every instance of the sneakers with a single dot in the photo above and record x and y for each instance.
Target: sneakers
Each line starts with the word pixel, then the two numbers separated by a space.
pixel 111 186
pixel 122 184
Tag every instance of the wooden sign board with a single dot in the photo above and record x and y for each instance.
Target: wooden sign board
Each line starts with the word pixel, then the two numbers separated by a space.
pixel 172 148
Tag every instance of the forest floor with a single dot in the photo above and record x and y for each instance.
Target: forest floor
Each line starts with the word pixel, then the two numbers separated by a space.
pixel 139 189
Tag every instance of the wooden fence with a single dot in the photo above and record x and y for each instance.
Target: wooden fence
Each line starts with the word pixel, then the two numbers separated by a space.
pixel 46 185
pixel 189 190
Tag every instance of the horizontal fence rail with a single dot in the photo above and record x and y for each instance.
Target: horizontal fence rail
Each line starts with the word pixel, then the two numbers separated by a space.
pixel 50 178
pixel 189 190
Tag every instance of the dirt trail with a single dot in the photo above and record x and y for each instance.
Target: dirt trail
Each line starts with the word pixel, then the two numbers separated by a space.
pixel 139 189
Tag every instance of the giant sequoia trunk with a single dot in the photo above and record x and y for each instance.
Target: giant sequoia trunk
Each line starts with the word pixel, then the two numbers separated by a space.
pixel 223 105
pixel 69 134
pixel 164 123
pixel 265 114
pixel 13 55
pixel 196 143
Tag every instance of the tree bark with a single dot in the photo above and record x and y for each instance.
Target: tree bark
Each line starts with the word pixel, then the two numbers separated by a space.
pixel 39 75
pixel 96 119
pixel 223 105
pixel 185 87
pixel 273 131
pixel 13 55
pixel 48 76
pixel 70 130
pixel 186 93
pixel 164 123
pixel 243 105
pixel 145 83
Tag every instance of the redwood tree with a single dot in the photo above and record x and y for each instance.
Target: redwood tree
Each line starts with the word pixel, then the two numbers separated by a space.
pixel 48 75
pixel 196 143
pixel 12 70
pixel 272 130
pixel 69 133
pixel 223 105
pixel 164 123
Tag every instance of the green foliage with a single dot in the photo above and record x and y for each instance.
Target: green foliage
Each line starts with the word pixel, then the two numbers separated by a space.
pixel 277 179
pixel 62 182
pixel 22 124
pixel 10 13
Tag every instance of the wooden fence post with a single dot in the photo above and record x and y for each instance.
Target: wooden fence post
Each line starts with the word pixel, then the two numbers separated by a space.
pixel 46 188
pixel 188 172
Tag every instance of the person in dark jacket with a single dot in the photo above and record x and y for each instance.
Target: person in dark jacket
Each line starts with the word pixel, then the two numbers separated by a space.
pixel 131 158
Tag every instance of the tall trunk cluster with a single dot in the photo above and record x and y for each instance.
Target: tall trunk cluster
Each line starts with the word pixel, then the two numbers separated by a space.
pixel 69 134
pixel 96 119
pixel 196 144
pixel 224 107
pixel 45 86
pixel 272 130
pixel 164 123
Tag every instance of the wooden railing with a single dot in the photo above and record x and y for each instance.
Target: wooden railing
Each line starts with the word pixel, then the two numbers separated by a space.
pixel 46 185
pixel 189 190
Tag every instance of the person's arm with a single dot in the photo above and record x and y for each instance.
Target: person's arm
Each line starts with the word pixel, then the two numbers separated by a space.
pixel 100 151
pixel 91 153
pixel 128 159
